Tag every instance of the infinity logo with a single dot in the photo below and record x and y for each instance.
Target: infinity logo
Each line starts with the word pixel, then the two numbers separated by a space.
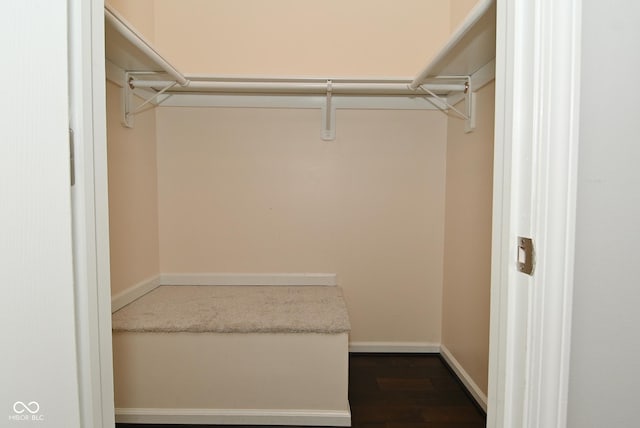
pixel 19 407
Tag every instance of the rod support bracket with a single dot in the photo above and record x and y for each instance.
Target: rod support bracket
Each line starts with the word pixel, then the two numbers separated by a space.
pixel 328 110
pixel 470 107
pixel 128 109
pixel 127 101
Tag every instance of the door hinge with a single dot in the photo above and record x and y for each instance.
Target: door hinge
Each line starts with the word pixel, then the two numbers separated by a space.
pixel 72 161
pixel 526 255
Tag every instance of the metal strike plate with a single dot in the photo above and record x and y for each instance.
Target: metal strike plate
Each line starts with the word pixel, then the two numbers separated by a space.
pixel 526 255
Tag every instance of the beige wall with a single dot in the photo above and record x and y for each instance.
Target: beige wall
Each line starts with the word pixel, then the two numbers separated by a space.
pixel 256 190
pixel 467 248
pixel 133 201
pixel 292 37
pixel 251 190
pixel 458 10
pixel 139 13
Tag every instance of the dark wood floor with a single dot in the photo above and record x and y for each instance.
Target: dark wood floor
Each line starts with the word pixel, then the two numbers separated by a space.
pixel 408 391
pixel 401 391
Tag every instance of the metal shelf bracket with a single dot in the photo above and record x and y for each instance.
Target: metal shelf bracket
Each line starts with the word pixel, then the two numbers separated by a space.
pixel 128 109
pixel 469 104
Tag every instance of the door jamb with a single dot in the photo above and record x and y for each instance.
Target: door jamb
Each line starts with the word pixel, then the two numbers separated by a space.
pixel 553 51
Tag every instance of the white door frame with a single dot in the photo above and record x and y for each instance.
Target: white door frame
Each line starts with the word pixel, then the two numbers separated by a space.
pixel 537 99
pixel 538 40
pixel 90 213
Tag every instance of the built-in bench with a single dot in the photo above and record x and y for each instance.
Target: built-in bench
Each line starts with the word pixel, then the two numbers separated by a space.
pixel 268 355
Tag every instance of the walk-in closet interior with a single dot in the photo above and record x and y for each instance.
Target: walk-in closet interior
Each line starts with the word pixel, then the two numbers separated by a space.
pixel 308 140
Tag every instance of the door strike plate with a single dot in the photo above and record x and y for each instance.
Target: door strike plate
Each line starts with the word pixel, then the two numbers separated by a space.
pixel 526 255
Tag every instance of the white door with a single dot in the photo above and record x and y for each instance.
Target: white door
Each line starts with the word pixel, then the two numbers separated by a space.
pixel 38 360
pixel 537 91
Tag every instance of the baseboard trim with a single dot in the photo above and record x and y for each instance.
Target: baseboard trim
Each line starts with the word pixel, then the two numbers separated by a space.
pixel 464 377
pixel 127 296
pixel 329 279
pixel 395 347
pixel 340 418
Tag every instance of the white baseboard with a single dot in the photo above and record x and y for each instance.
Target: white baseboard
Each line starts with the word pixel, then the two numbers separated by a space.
pixel 235 417
pixel 472 387
pixel 127 296
pixel 329 279
pixel 395 347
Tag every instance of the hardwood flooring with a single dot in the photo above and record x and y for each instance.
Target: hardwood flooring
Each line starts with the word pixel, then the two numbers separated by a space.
pixel 401 391
pixel 408 391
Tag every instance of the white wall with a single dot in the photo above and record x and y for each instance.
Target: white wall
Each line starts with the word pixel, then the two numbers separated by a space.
pixel 605 347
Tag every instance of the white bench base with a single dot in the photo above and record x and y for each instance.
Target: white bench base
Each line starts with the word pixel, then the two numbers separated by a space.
pixel 231 378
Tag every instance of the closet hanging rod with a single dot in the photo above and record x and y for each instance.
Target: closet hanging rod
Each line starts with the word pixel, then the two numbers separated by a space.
pixel 474 16
pixel 126 31
pixel 371 88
